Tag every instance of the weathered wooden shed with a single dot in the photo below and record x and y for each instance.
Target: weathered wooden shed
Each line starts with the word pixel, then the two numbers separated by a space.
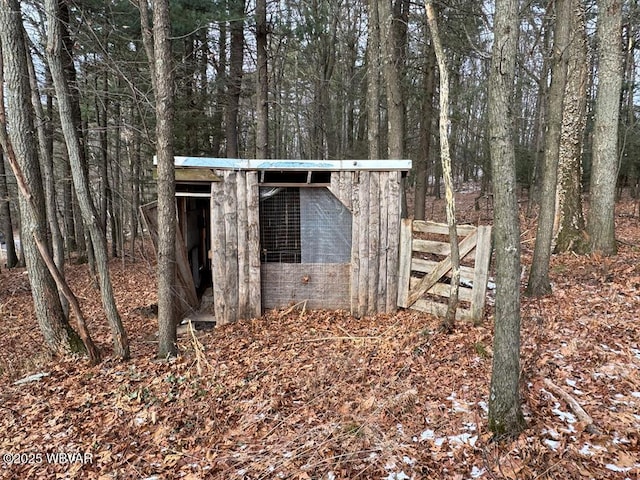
pixel 271 233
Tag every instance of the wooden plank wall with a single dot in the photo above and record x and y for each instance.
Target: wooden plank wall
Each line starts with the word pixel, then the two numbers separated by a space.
pixel 235 243
pixel 375 202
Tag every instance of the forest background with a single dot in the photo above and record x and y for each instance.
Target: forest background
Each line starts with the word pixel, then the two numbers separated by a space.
pixel 317 79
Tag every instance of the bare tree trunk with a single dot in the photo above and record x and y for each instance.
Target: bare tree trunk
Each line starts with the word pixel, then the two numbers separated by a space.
pixel 373 81
pixel 539 282
pixel 604 171
pixel 55 328
pixel 446 168
pixel 569 225
pixel 505 411
pixel 262 107
pixel 162 70
pixel 6 225
pixel 80 181
pixel 234 80
pixel 395 104
pixel 422 169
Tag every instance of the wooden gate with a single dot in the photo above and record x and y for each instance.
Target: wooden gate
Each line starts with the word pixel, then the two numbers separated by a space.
pixel 425 268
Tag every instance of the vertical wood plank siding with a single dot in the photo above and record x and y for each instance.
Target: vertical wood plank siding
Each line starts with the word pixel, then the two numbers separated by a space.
pixel 235 243
pixel 372 197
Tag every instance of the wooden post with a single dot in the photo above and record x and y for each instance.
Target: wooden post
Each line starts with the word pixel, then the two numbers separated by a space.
pixel 363 243
pixel 383 247
pixel 355 244
pixel 481 272
pixel 253 239
pixel 218 259
pixel 374 242
pixel 404 269
pixel 231 247
pixel 393 235
pixel 243 245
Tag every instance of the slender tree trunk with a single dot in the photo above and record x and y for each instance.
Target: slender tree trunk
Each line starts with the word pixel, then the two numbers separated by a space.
pixel 162 70
pixel 74 148
pixel 539 282
pixel 604 171
pixel 446 168
pixel 373 81
pixel 6 225
pixel 505 411
pixel 422 167
pixel 234 80
pixel 262 103
pixel 55 328
pixel 395 105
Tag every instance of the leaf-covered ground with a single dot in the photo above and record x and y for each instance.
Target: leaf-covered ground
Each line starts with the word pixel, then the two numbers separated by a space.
pixel 323 395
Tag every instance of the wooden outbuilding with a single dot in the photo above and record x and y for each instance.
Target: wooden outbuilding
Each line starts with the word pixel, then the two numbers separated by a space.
pixel 263 234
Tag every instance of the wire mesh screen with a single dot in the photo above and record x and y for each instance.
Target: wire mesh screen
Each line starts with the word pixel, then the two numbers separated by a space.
pixel 303 225
pixel 280 225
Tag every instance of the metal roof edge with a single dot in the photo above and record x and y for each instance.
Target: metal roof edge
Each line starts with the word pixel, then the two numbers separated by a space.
pixel 281 165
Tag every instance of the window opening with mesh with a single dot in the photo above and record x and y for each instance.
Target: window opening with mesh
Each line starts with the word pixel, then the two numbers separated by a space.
pixel 303 225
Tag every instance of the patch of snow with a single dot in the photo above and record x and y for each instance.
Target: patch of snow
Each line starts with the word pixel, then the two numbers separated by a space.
pixel 588 449
pixel 552 433
pixel 427 435
pixel 635 394
pixel 463 439
pixel 36 377
pixel 552 444
pixel 483 405
pixel 409 461
pixel 472 427
pixel 571 383
pixel 398 476
pixel 439 441
pixel 636 352
pixel 565 416
pixel 477 472
pixel 615 468
pixel 331 475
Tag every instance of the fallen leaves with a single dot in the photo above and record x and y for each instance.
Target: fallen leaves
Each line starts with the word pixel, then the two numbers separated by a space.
pixel 321 394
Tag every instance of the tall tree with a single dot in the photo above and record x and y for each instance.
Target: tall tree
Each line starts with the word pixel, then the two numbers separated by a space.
pixel 445 158
pixel 55 328
pixel 262 82
pixel 505 411
pixel 539 282
pixel 234 79
pixel 80 180
pixel 604 170
pixel 569 224
pixel 373 81
pixel 393 81
pixel 162 71
pixel 426 119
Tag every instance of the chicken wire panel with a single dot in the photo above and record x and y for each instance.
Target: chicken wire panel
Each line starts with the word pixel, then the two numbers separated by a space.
pixel 325 227
pixel 303 225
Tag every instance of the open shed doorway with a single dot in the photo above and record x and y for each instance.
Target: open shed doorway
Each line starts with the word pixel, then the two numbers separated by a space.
pixel 194 217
